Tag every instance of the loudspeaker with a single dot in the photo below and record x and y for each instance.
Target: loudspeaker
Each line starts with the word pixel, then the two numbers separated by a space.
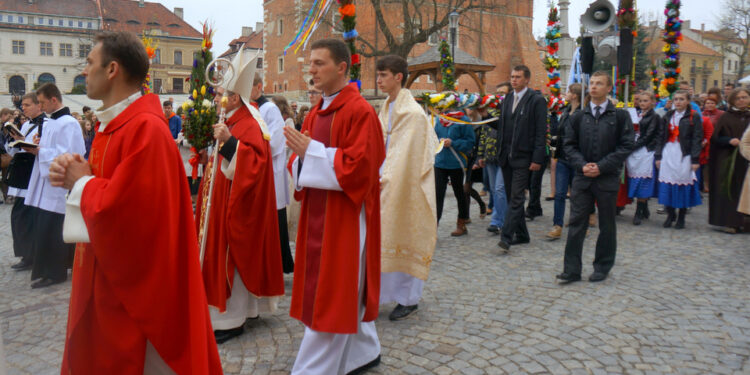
pixel 587 55
pixel 607 49
pixel 599 16
pixel 625 52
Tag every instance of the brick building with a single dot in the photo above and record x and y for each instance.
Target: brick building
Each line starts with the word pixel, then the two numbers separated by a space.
pixel 501 36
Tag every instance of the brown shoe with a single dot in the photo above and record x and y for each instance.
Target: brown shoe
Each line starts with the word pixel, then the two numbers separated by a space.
pixel 555 233
pixel 592 220
pixel 460 228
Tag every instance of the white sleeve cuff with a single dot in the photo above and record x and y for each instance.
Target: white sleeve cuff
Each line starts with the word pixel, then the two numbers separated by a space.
pixel 317 170
pixel 74 227
pixel 228 168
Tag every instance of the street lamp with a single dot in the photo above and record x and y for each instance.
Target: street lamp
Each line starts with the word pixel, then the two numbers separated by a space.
pixel 453 22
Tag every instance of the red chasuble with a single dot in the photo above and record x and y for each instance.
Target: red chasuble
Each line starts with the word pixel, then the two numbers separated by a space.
pixel 325 290
pixel 243 226
pixel 139 279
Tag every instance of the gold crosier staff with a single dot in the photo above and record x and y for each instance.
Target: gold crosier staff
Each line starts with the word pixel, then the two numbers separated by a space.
pixel 218 73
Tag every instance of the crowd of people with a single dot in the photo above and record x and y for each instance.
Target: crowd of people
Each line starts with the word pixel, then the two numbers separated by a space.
pixel 158 282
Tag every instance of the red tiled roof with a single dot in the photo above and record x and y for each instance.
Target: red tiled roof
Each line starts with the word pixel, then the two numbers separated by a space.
pixel 73 8
pixel 252 41
pixel 127 15
pixel 725 35
pixel 687 45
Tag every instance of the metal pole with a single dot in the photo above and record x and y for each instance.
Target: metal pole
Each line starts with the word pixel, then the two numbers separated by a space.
pixel 627 87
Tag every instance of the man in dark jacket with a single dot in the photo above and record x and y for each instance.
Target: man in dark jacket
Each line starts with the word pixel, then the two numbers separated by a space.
pixel 597 142
pixel 521 137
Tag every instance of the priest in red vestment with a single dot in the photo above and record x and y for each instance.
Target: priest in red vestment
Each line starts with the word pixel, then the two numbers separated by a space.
pixel 337 265
pixel 137 304
pixel 242 259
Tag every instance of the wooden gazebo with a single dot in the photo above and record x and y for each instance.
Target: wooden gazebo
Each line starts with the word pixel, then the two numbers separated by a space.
pixel 429 63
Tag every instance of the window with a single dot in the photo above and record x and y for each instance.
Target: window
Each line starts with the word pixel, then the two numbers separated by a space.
pixel 60 23
pixel 83 50
pixel 50 22
pixel 178 57
pixel 157 86
pixel 705 64
pixel 716 65
pixel 177 84
pixel 80 23
pixel 40 20
pixel 281 64
pixel 705 85
pixel 66 50
pixel 736 65
pixel 429 79
pixel 19 47
pixel 157 57
pixel 20 19
pixel 692 63
pixel 259 65
pixel 46 78
pixel 45 49
pixel 79 80
pixel 10 18
pixel 1 17
pixel 433 39
pixel 89 25
pixel 692 83
pixel 281 27
pixel 716 83
pixel 70 23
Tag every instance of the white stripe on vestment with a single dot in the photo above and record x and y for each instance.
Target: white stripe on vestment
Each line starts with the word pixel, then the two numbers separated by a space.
pixel 240 305
pixel 400 287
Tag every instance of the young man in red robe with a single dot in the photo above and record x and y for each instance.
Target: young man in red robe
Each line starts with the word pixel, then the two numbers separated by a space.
pixel 137 304
pixel 242 259
pixel 337 266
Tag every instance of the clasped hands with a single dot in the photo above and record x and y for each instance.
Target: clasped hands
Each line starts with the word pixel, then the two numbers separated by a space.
pixel 66 169
pixel 591 170
pixel 297 141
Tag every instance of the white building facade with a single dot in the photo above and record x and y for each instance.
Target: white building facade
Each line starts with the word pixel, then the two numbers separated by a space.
pixel 38 46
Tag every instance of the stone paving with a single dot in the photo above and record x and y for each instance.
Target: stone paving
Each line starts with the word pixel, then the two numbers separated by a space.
pixel 676 302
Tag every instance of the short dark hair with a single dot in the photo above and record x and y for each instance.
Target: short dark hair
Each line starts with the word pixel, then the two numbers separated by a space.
pixel 730 84
pixel 32 96
pixel 504 84
pixel 601 73
pixel 395 64
pixel 337 48
pixel 166 103
pixel 128 51
pixel 524 69
pixel 50 90
pixel 85 109
pixel 715 91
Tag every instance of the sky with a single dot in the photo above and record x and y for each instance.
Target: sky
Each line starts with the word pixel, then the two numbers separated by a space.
pixel 228 16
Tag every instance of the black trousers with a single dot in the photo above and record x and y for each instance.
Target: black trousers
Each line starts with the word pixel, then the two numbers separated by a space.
pixel 22 228
pixel 287 260
pixel 535 191
pixel 582 202
pixel 456 177
pixel 52 256
pixel 516 183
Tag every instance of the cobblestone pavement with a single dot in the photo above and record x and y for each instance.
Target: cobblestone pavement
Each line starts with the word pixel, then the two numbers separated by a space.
pixel 676 302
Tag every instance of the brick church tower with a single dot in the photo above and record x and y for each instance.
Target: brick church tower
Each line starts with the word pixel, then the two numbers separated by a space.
pixel 500 34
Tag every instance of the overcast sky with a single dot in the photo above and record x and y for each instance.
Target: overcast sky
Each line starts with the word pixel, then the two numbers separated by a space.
pixel 228 16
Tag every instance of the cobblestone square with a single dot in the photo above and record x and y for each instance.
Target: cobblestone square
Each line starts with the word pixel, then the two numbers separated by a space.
pixel 676 302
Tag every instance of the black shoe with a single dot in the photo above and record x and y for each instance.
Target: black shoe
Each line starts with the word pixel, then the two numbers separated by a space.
pixel 519 241
pixel 401 312
pixel 44 283
pixel 493 229
pixel 23 265
pixel 597 276
pixel 645 212
pixel 680 220
pixel 670 217
pixel 567 278
pixel 619 211
pixel 360 370
pixel 504 247
pixel 638 217
pixel 530 216
pixel 224 335
pixel 549 199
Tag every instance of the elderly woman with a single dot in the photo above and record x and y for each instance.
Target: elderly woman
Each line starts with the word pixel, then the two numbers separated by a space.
pixel 725 185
